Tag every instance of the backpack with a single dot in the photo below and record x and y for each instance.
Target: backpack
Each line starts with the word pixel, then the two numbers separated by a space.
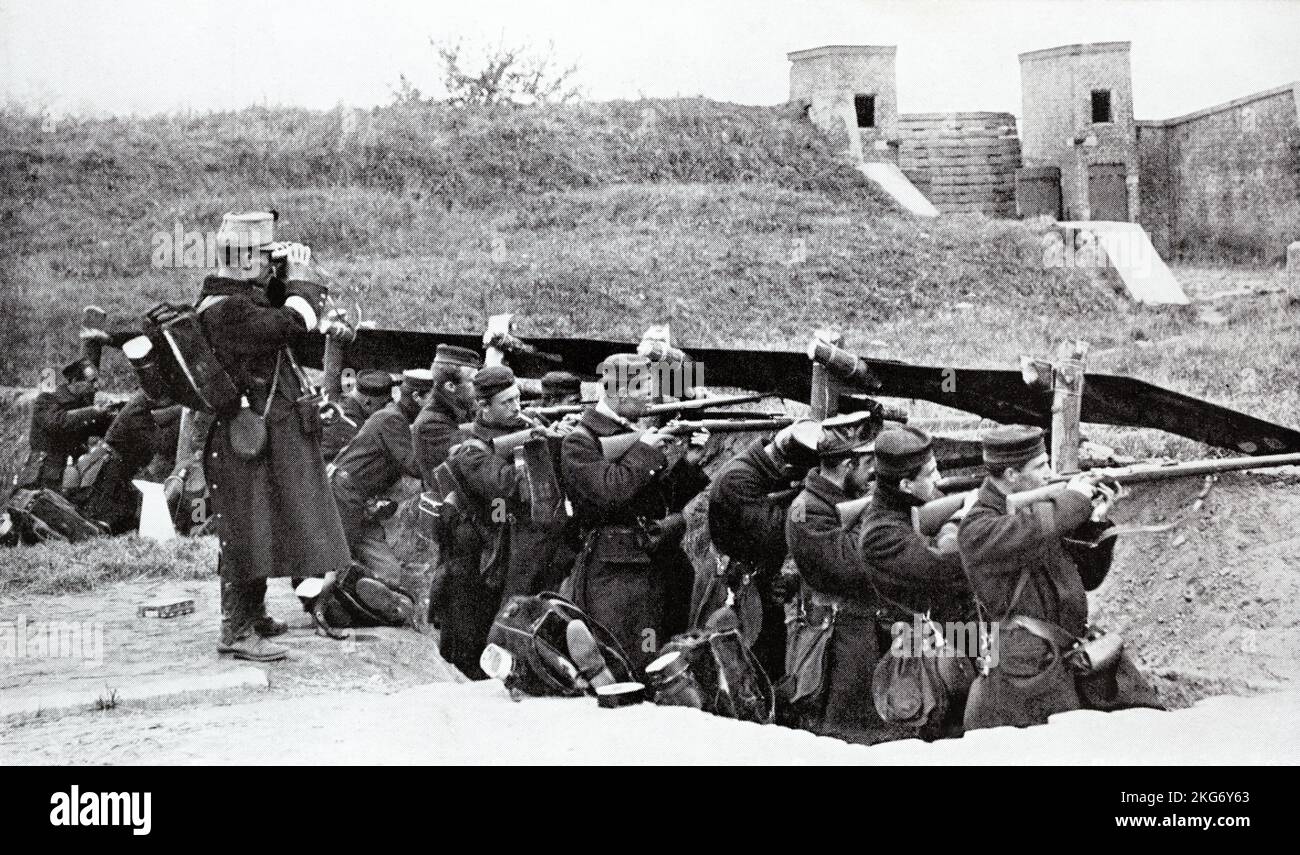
pixel 534 631
pixel 181 365
pixel 729 679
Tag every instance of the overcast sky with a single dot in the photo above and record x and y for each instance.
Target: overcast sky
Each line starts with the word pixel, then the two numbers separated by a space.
pixel 156 55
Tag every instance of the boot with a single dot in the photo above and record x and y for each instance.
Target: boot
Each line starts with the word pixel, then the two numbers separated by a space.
pixel 268 627
pixel 255 648
pixel 394 607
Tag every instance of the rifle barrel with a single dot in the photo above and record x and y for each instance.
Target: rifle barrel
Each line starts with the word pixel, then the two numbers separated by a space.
pixel 701 404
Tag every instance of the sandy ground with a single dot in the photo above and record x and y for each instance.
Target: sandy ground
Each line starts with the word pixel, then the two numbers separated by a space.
pixel 478 723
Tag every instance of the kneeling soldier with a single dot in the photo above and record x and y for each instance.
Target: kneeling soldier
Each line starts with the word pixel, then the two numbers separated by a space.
pixel 373 392
pixel 365 470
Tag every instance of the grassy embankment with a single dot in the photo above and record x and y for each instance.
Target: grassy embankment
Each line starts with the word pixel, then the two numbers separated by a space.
pixel 593 219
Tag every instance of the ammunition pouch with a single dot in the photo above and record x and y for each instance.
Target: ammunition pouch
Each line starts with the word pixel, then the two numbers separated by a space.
pixel 807 665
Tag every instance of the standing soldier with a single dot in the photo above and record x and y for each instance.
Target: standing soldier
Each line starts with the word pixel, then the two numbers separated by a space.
pixel 748 502
pixel 363 473
pixel 912 574
pixel 62 422
pixel 374 390
pixel 632 575
pixel 837 590
pixel 274 513
pixel 494 550
pixel 437 427
pixel 1026 579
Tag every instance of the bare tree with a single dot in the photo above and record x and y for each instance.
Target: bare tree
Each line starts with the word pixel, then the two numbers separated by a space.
pixel 514 74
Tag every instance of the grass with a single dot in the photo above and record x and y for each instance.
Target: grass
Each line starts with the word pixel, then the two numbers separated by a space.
pixel 69 568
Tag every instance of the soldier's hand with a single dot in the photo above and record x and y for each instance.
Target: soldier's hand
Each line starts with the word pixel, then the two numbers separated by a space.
pixel 696 448
pixel 1105 499
pixel 297 258
pixel 1084 484
pixel 654 438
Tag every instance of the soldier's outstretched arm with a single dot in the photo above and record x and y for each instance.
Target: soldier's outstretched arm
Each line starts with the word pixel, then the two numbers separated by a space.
pixel 588 475
pixel 990 534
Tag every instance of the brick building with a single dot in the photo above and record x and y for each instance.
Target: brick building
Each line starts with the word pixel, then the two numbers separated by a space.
pixel 1077 117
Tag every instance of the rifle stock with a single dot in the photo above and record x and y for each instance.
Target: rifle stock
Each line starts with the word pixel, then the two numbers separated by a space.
pixel 930 517
pixel 852 509
pixel 506 444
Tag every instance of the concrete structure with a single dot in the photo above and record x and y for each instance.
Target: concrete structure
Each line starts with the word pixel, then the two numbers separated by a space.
pixel 1077 115
pixel 959 161
pixel 1224 181
pixel 850 89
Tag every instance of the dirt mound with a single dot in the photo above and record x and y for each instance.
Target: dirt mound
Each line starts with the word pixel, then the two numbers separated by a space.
pixel 1213 605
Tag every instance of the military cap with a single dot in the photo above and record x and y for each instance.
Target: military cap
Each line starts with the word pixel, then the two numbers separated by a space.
pixel 76 370
pixel 848 434
pixel 561 383
pixel 620 370
pixel 374 382
pixel 248 230
pixel 797 443
pixel 449 354
pixel 492 381
pixel 418 379
pixel 1012 445
pixel 902 451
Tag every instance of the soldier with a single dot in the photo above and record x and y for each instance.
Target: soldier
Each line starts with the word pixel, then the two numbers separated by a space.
pixel 632 575
pixel 560 388
pixel 437 427
pixel 374 390
pixel 837 586
pixel 748 502
pixel 494 551
pixel 1026 579
pixel 365 470
pixel 62 422
pixel 912 574
pixel 273 509
pixel 137 435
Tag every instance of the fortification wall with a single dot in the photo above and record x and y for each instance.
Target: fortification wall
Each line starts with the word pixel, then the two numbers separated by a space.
pixel 962 162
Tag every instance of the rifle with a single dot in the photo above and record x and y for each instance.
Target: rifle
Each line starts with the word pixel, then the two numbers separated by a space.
pixel 559 410
pixel 613 447
pixel 931 516
pixel 693 404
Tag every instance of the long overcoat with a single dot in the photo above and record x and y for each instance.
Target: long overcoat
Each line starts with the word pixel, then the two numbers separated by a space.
pixel 275 515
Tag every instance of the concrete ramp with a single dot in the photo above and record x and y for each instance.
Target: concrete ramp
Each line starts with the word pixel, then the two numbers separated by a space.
pixel 890 178
pixel 1129 249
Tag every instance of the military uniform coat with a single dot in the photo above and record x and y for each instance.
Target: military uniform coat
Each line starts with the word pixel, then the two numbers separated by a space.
pixel 275 516
pixel 436 430
pixel 637 589
pixel 373 462
pixel 493 552
pixel 830 562
pixel 747 524
pixel 909 573
pixel 1029 682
